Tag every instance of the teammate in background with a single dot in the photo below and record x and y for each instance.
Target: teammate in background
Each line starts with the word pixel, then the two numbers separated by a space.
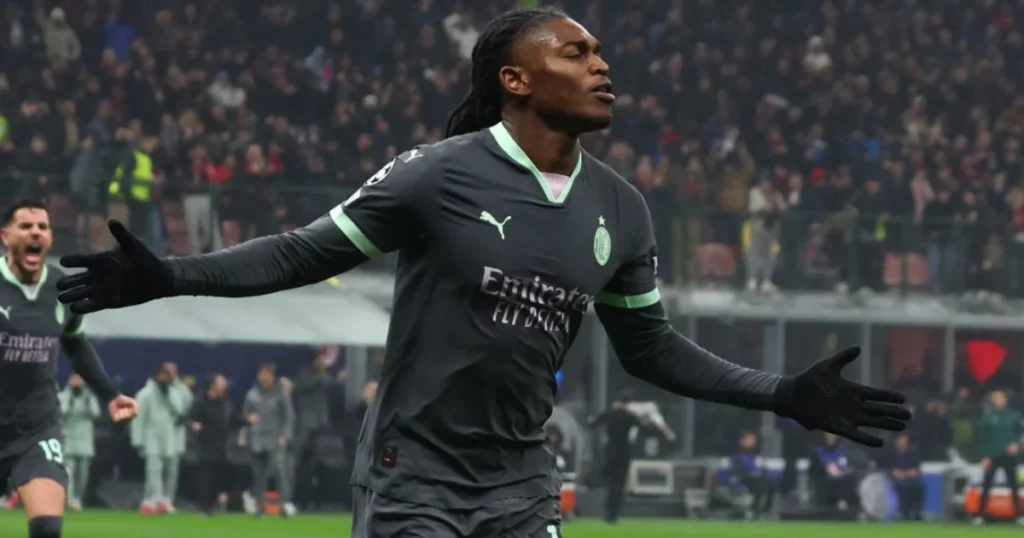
pixel 34 328
pixel 507 232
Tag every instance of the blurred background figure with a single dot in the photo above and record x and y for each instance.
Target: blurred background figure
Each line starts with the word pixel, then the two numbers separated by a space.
pixel 999 435
pixel 213 420
pixel 837 480
pixel 903 464
pixel 156 435
pixel 269 430
pixel 620 427
pixel 81 409
pixel 750 477
pixel 312 396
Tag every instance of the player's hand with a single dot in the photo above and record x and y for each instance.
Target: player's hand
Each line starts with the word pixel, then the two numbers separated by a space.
pixel 241 443
pixel 282 441
pixel 126 276
pixel 197 427
pixel 123 408
pixel 253 418
pixel 821 399
pixel 1013 449
pixel 985 463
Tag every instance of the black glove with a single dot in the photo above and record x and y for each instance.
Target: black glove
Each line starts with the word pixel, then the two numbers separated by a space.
pixel 126 276
pixel 820 399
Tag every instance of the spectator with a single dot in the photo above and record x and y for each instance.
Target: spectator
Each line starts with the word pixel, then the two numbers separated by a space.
pixel 937 219
pixel 62 45
pixel 750 475
pixel 835 104
pixel 836 477
pixel 903 464
pixel 765 208
pixel 872 213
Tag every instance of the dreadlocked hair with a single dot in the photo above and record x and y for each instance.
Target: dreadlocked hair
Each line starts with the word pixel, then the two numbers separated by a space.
pixel 482 106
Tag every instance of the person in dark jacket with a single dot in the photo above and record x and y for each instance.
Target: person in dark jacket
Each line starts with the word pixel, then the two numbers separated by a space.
pixel 618 422
pixel 999 443
pixel 932 433
pixel 749 474
pixel 903 464
pixel 937 224
pixel 213 420
pixel 311 400
pixel 870 234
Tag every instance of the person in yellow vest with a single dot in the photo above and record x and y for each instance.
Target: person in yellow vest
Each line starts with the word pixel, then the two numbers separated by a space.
pixel 132 187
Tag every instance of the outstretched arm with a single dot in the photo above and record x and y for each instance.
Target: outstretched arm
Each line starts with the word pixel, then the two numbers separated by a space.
pixel 651 350
pixel 383 215
pixel 818 398
pixel 85 362
pixel 268 264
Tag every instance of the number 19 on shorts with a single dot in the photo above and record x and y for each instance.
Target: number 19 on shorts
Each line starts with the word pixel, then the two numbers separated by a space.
pixel 52 450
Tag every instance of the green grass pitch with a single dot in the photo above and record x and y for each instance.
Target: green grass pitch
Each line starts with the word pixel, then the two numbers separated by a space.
pixel 103 524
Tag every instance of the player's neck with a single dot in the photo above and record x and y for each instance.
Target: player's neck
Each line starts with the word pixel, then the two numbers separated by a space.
pixel 23 276
pixel 551 151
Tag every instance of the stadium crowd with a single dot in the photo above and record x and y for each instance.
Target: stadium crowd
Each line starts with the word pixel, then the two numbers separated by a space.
pixel 848 143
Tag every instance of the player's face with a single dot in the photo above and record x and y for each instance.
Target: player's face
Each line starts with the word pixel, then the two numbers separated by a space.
pixel 28 238
pixel 563 76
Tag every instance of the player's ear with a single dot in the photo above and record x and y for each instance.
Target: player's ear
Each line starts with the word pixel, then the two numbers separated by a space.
pixel 4 235
pixel 515 80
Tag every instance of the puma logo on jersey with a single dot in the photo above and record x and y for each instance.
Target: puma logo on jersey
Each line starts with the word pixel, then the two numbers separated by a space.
pixel 6 312
pixel 487 217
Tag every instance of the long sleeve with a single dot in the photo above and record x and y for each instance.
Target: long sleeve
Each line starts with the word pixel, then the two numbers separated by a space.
pixel 651 350
pixel 630 310
pixel 381 216
pixel 247 409
pixel 269 264
pixel 85 362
